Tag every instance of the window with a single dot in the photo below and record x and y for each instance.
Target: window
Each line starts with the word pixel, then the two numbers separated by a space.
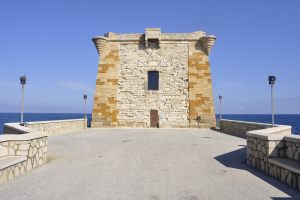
pixel 153 43
pixel 153 80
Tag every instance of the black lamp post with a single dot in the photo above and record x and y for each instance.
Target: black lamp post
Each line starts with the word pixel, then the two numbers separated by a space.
pixel 220 114
pixel 272 80
pixel 220 98
pixel 84 98
pixel 22 82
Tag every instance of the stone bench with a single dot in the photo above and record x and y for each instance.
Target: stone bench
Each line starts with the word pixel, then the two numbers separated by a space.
pixel 286 163
pixel 286 170
pixel 11 167
pixel 276 152
pixel 24 147
pixel 20 153
pixel 273 150
pixel 8 161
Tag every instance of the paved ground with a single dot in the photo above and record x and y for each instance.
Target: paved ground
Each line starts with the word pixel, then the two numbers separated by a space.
pixel 145 164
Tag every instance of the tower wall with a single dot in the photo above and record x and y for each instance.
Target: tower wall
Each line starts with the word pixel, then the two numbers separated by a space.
pixel 122 98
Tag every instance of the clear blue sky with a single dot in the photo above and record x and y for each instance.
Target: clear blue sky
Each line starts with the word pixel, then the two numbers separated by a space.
pixel 50 42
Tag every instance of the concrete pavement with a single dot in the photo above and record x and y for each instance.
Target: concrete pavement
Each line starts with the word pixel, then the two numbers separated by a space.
pixel 146 164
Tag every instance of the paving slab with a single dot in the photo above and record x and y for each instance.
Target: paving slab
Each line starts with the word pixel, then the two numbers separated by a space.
pixel 146 164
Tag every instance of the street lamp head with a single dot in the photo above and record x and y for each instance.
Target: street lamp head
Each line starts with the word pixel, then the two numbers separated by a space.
pixel 220 97
pixel 84 96
pixel 272 80
pixel 23 80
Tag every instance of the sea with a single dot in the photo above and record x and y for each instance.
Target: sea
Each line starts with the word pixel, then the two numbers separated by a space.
pixel 283 119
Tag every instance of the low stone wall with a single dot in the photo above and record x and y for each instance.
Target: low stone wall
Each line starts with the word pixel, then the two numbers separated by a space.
pixel 276 152
pixel 261 147
pixel 272 150
pixel 21 153
pixel 24 147
pixel 284 175
pixel 50 127
pixel 292 147
pixel 239 128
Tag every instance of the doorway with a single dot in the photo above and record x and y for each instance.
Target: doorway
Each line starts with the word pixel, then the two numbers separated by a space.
pixel 154 119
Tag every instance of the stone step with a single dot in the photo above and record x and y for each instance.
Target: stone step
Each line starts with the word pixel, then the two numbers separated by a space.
pixel 286 163
pixel 9 161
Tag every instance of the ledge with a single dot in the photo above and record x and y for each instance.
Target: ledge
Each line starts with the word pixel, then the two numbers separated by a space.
pixel 292 138
pixel 22 137
pixel 286 163
pixel 48 127
pixel 17 127
pixel 248 122
pixel 9 161
pixel 119 37
pixel 54 121
pixel 155 33
pixel 273 133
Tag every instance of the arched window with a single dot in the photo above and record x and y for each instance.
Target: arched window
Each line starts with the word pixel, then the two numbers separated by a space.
pixel 153 80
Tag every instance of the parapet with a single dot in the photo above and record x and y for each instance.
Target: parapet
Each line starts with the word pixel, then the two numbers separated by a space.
pixel 24 147
pixel 272 150
pixel 151 34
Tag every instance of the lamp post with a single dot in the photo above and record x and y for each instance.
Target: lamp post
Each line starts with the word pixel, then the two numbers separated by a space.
pixel 220 98
pixel 22 82
pixel 84 98
pixel 272 80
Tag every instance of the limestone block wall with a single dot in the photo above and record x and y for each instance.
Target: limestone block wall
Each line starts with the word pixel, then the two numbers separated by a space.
pixel 53 127
pixel 56 127
pixel 240 128
pixel 257 153
pixel 13 171
pixel 105 101
pixel 135 100
pixel 285 175
pixel 272 150
pixel 185 86
pixel 292 147
pixel 19 154
pixel 259 150
pixel 200 87
pixel 275 151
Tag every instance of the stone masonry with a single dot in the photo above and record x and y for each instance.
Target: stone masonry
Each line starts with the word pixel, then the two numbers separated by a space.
pixel 272 150
pixel 184 97
pixel 53 127
pixel 240 128
pixel 19 154
pixel 56 127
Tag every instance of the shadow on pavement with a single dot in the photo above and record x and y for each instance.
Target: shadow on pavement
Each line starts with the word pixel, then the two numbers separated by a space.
pixel 237 160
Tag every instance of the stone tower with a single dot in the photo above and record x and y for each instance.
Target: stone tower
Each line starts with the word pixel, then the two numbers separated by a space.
pixel 154 80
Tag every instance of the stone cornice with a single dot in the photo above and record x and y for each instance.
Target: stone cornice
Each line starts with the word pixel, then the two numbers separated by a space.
pixel 207 41
pixel 100 43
